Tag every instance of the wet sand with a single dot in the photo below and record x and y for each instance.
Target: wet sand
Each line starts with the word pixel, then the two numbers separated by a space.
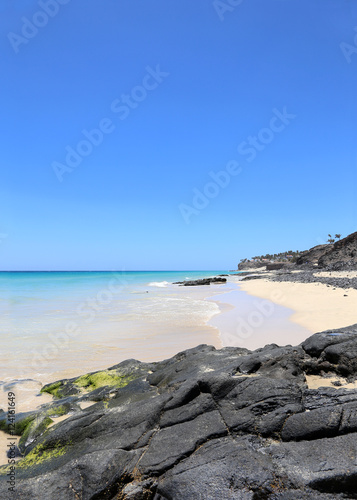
pixel 254 322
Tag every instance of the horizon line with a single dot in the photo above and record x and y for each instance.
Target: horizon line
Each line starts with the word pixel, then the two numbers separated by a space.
pixel 106 270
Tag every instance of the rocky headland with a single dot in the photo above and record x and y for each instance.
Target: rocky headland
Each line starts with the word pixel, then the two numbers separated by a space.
pixel 205 424
pixel 334 265
pixel 342 255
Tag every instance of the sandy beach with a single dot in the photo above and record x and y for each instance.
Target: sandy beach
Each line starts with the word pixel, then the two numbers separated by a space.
pixel 247 314
pixel 316 306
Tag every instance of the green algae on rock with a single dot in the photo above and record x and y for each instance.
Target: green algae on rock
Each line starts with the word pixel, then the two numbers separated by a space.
pixel 93 381
pixel 23 420
pixel 115 377
pixel 52 389
pixel 39 455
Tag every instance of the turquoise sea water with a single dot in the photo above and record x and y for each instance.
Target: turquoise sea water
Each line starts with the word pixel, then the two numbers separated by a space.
pixel 56 324
pixel 23 294
pixel 35 284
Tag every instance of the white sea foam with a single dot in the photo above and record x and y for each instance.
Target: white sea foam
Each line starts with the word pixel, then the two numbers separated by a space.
pixel 165 310
pixel 159 284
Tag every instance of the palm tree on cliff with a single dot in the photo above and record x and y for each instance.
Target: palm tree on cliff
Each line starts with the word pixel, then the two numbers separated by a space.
pixel 338 236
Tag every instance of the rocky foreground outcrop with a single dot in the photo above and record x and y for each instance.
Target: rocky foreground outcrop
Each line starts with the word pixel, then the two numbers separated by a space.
pixel 205 424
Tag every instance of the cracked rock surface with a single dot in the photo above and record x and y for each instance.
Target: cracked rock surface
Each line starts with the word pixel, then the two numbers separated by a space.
pixel 205 424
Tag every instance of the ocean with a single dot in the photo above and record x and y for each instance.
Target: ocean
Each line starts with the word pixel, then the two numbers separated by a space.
pixel 57 325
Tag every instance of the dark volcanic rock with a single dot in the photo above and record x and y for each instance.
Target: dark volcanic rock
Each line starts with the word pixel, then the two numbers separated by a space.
pixel 275 265
pixel 254 277
pixel 309 276
pixel 316 344
pixel 313 255
pixel 203 281
pixel 215 463
pixel 342 255
pixel 205 424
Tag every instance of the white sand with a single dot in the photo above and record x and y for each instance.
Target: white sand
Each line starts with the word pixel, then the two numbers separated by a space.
pixel 57 420
pixel 317 307
pixel 86 404
pixel 315 381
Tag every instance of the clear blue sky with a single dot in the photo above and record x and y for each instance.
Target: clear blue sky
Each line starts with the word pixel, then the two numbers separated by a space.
pixel 182 89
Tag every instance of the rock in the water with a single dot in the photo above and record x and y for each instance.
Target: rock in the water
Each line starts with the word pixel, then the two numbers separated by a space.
pixel 203 281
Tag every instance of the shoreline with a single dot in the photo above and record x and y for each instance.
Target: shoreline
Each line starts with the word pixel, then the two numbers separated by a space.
pixel 250 314
pixel 316 306
pixel 219 330
pixel 251 323
pixel 153 341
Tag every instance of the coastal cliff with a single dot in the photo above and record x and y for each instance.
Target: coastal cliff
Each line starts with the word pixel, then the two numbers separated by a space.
pixel 205 424
pixel 342 255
